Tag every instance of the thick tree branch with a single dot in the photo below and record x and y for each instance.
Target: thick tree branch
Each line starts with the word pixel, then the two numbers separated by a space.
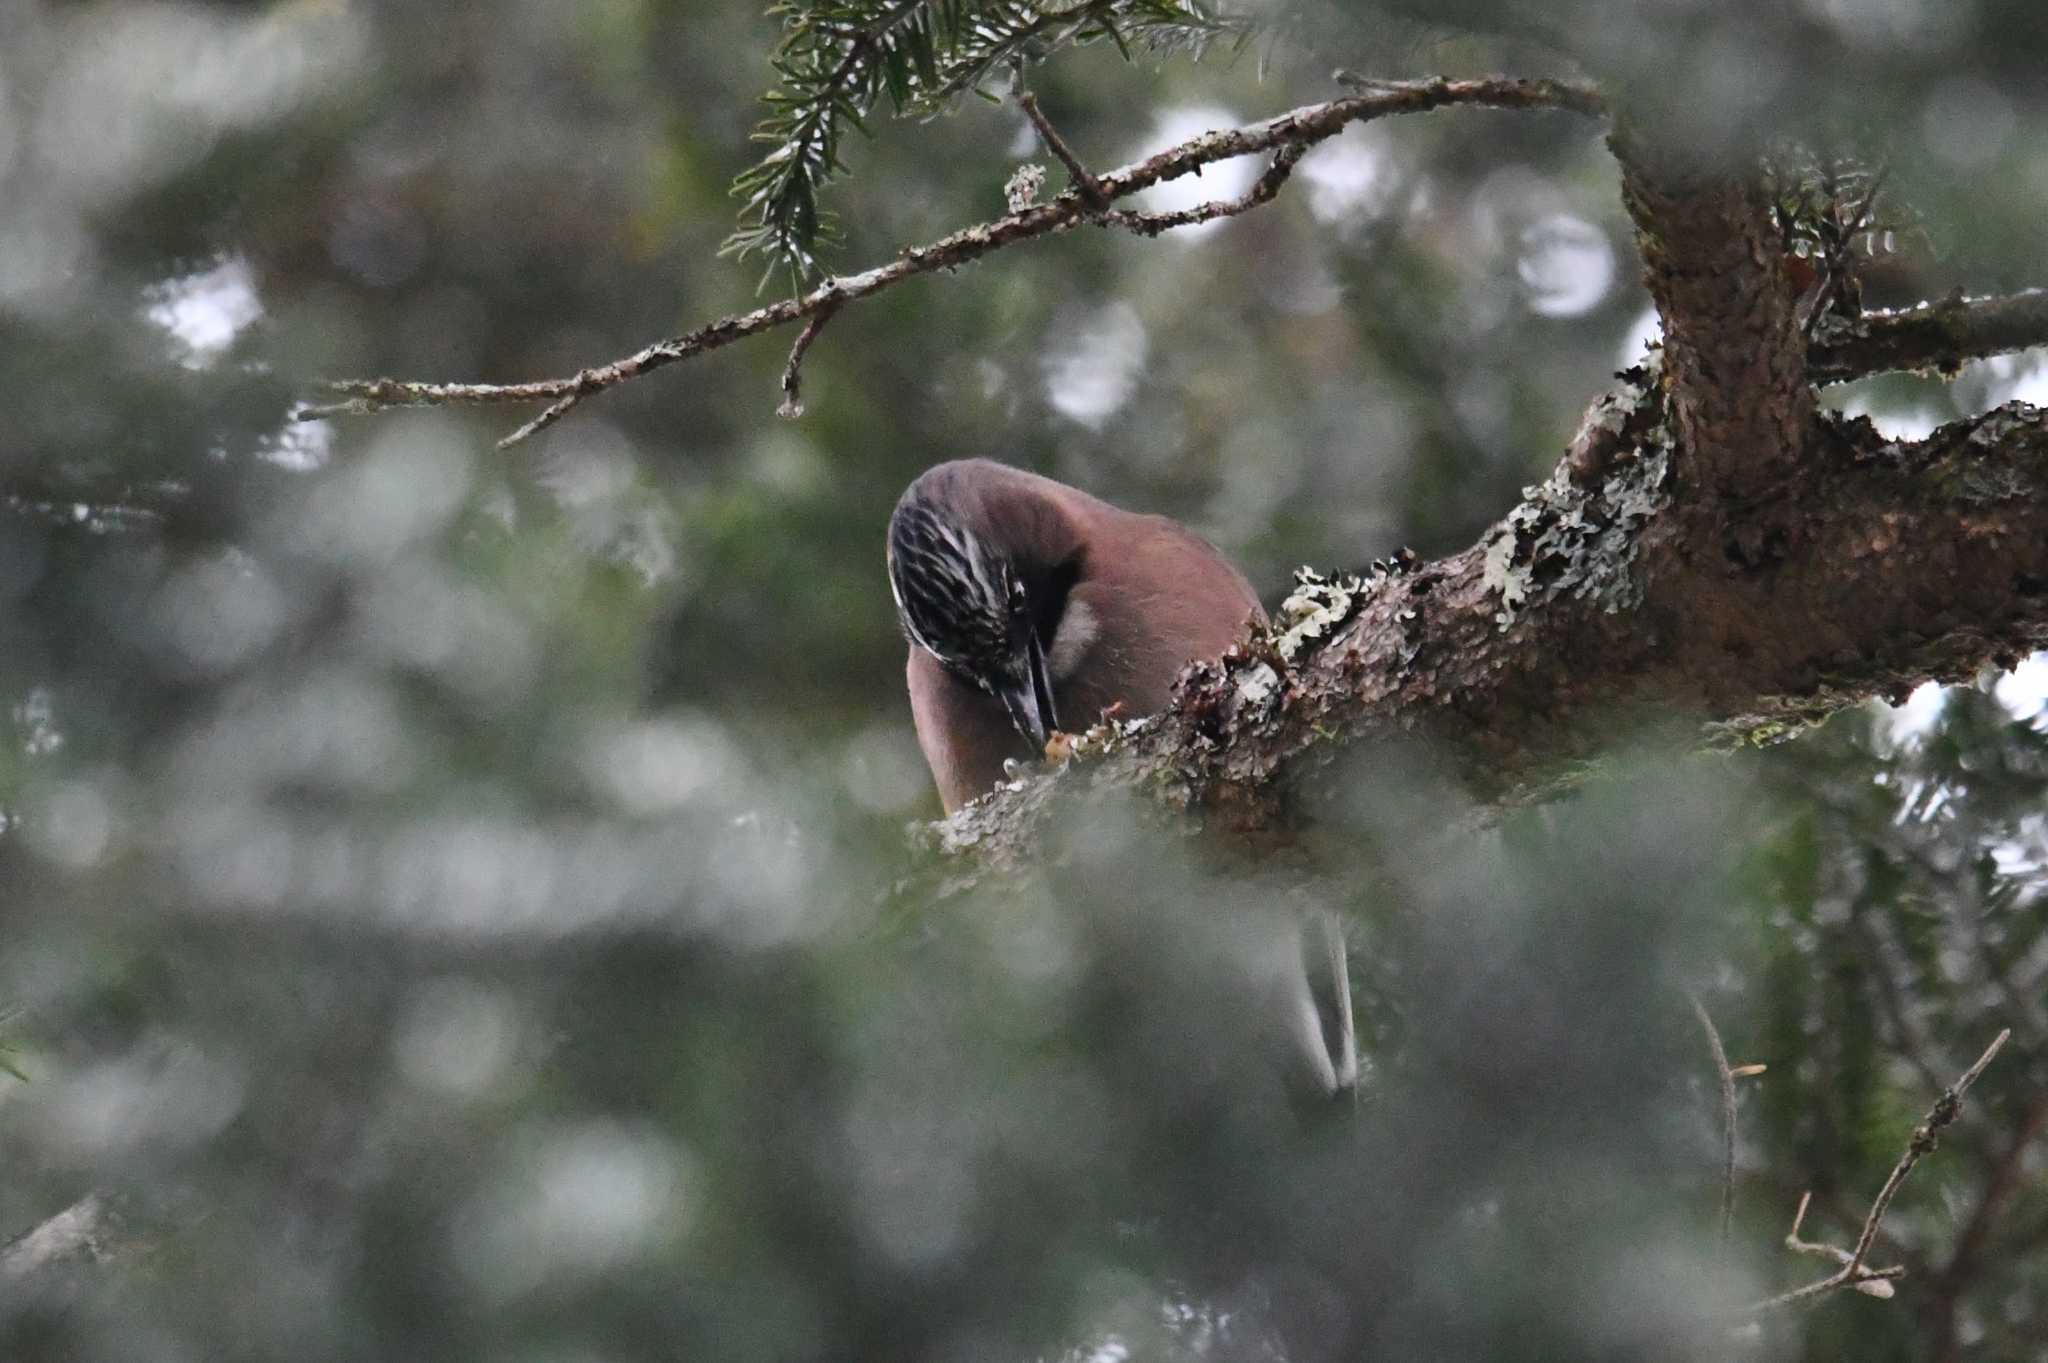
pixel 1937 336
pixel 1734 357
pixel 1711 546
pixel 1302 128
pixel 1596 603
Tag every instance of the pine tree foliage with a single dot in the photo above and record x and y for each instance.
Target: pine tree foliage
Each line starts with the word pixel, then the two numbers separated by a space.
pixel 1902 918
pixel 1837 215
pixel 839 58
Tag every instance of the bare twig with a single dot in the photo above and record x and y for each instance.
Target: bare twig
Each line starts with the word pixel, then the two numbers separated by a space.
pixel 1084 183
pixel 1727 1078
pixel 555 412
pixel 792 373
pixel 1303 128
pixel 1923 1140
pixel 1875 1282
pixel 1262 191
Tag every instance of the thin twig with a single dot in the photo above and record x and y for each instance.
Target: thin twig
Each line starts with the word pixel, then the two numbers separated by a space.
pixel 792 373
pixel 1875 1282
pixel 1084 183
pixel 1923 1140
pixel 555 412
pixel 1727 1078
pixel 1262 191
pixel 1303 127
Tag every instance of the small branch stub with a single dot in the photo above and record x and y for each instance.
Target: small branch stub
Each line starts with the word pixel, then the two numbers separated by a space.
pixel 1085 184
pixel 792 405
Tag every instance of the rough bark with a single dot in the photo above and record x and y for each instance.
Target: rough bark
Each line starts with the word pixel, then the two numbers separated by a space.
pixel 1938 336
pixel 1733 354
pixel 1597 603
pixel 1712 547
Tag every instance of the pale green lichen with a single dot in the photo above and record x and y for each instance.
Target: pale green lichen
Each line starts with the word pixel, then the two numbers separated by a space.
pixel 1565 540
pixel 1021 190
pixel 1257 684
pixel 1500 573
pixel 1315 610
pixel 1606 418
pixel 1986 472
pixel 1764 730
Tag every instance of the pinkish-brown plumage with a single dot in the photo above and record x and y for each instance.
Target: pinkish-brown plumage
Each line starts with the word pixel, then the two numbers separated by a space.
pixel 1030 605
pixel 1118 604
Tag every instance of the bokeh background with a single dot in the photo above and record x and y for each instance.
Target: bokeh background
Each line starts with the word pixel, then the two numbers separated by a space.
pixel 457 904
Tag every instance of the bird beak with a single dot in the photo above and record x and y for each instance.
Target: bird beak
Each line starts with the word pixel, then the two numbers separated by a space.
pixel 1029 701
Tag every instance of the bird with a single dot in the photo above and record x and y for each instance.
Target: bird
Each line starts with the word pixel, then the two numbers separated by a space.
pixel 1031 606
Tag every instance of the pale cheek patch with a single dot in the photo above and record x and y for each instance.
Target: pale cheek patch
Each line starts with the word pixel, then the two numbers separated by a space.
pixel 1070 642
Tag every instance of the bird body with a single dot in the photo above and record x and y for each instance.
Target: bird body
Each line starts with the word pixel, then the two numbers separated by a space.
pixel 1030 604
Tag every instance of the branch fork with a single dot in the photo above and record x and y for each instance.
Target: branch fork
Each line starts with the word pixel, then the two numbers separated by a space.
pixel 1854 1271
pixel 1286 136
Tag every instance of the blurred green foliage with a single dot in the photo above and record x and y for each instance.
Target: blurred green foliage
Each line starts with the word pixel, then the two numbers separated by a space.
pixel 445 889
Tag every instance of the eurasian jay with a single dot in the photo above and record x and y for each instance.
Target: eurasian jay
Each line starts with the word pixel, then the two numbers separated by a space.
pixel 1030 605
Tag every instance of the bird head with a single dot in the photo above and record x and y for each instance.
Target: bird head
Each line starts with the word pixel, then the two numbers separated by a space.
pixel 982 590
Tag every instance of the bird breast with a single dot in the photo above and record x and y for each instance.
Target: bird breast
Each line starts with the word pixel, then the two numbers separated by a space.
pixel 1071 638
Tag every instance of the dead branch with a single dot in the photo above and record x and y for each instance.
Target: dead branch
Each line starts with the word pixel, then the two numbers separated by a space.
pixel 1083 183
pixel 1301 128
pixel 2004 1179
pixel 1922 1142
pixel 1872 1282
pixel 792 371
pixel 1262 191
